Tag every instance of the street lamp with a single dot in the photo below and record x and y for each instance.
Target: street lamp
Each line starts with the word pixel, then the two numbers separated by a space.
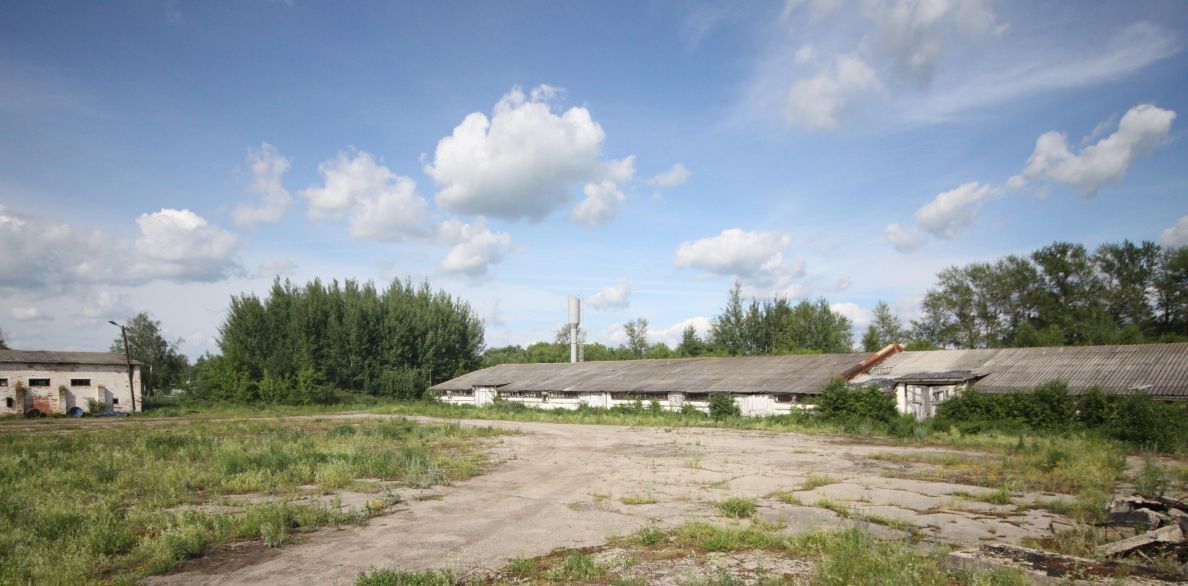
pixel 128 357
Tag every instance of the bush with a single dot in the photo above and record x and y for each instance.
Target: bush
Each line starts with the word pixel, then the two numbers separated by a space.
pixel 722 405
pixel 841 404
pixel 1138 419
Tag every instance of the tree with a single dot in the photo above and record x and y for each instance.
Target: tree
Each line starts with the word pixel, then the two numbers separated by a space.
pixel 885 328
pixel 637 336
pixel 727 333
pixel 1171 293
pixel 691 344
pixel 162 366
pixel 3 342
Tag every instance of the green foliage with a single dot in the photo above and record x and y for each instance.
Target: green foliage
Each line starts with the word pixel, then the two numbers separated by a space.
pixel 163 367
pixel 841 404
pixel 722 405
pixel 301 343
pixel 737 507
pixel 1062 294
pixel 1152 479
pixel 886 328
pixel 401 578
pixel 1138 418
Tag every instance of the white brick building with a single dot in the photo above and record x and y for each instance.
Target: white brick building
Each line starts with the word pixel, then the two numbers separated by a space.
pixel 57 382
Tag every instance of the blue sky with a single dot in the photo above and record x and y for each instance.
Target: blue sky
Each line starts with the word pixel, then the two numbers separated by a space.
pixel 163 156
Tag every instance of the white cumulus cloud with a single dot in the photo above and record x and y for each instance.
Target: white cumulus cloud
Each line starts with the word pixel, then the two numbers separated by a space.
pixel 617 296
pixel 902 239
pixel 600 206
pixel 1176 235
pixel 952 210
pixel 819 102
pixel 1144 128
pixel 181 245
pixel 673 177
pixel 474 247
pixel 268 167
pixel 754 257
pixel 859 316
pixel 381 204
pixel 523 162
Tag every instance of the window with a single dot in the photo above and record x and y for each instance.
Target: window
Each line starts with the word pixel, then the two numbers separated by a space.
pixel 3 382
pixel 784 398
pixel 115 400
pixel 8 402
pixel 80 382
pixel 39 382
pixel 697 396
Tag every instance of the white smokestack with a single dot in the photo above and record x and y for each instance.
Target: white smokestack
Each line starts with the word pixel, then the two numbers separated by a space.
pixel 575 319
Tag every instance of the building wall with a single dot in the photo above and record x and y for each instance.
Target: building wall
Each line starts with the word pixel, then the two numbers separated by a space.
pixel 922 400
pixel 749 405
pixel 108 386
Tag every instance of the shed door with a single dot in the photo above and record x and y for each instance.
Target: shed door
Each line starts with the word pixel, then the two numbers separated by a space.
pixel 483 396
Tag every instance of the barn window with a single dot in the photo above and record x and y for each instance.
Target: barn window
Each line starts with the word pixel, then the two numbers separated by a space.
pixel 8 402
pixel 115 400
pixel 80 382
pixel 39 382
pixel 785 398
pixel 698 396
pixel 3 382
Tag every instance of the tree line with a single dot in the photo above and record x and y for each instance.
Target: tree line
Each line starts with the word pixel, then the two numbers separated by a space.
pixel 302 343
pixel 1061 295
pixel 760 327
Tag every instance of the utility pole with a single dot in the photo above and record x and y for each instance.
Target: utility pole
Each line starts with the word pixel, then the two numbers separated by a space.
pixel 128 357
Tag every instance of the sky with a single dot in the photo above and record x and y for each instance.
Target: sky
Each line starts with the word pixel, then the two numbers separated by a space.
pixel 165 155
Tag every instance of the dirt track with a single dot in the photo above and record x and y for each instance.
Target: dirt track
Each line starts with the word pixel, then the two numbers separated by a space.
pixel 559 485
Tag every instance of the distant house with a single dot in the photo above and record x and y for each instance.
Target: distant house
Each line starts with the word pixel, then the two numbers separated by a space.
pixel 772 385
pixel 44 382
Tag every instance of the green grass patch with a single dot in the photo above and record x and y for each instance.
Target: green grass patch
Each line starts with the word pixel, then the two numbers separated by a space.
pixel 737 506
pixel 638 500
pixel 118 503
pixel 398 578
pixel 814 480
pixel 787 497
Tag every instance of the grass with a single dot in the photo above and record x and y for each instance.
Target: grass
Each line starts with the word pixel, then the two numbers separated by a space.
pixel 847 556
pixel 787 497
pixel 814 480
pixel 845 511
pixel 398 578
pixel 737 507
pixel 638 500
pixel 118 503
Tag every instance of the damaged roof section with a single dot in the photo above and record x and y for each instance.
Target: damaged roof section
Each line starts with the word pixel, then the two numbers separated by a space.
pixel 1160 370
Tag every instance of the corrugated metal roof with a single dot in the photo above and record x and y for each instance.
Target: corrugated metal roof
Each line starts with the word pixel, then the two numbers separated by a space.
pixel 806 373
pixel 54 357
pixel 1161 368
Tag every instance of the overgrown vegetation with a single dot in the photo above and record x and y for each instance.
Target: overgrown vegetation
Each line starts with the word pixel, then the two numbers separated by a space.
pixel 302 343
pixel 839 557
pixel 115 505
pixel 1137 418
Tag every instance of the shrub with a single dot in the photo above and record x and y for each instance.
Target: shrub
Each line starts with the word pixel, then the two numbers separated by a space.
pixel 842 404
pixel 722 405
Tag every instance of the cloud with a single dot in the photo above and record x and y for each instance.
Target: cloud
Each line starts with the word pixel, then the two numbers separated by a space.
pixel 29 314
pixel 617 296
pixel 521 163
pixel 950 211
pixel 1176 235
pixel 673 177
pixel 268 167
pixel 754 257
pixel 818 102
pixel 913 34
pixel 858 316
pixel 670 336
pixel 381 204
pixel 903 240
pixel 283 267
pixel 104 304
pixel 600 206
pixel 1143 129
pixel 182 246
pixel 475 247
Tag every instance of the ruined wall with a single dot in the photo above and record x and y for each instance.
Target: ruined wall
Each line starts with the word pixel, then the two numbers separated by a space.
pixel 109 386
